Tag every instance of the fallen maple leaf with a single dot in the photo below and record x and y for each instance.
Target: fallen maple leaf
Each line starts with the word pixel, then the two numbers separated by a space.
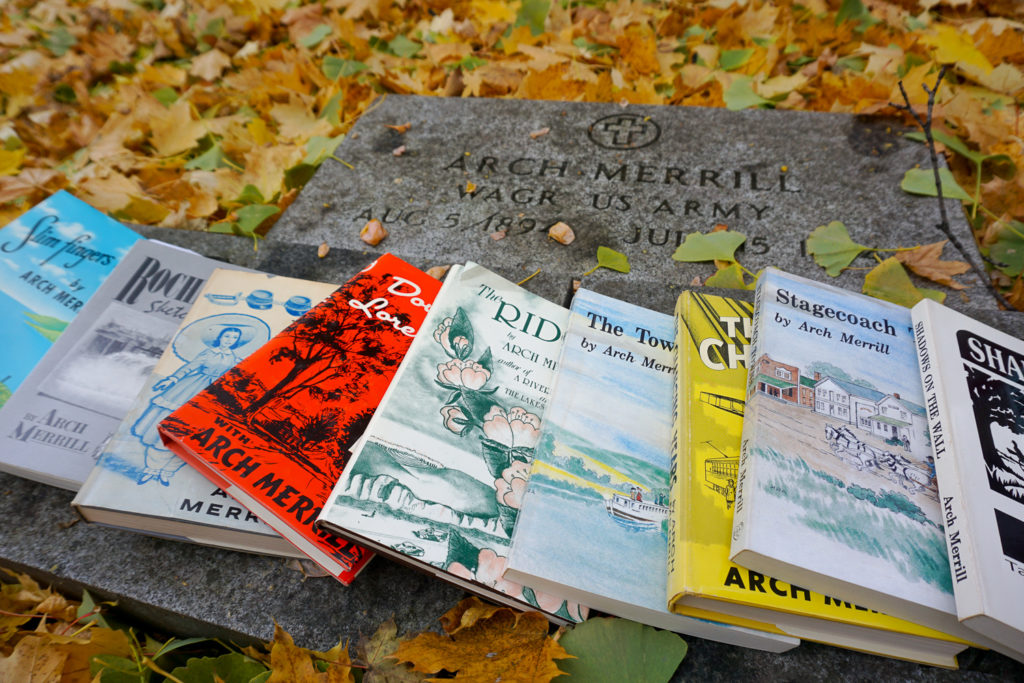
pixel 175 131
pixel 210 65
pixel 926 261
pixel 499 645
pixel 376 653
pixel 290 663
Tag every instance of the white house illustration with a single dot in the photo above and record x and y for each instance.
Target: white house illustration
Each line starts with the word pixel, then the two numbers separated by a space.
pixel 887 416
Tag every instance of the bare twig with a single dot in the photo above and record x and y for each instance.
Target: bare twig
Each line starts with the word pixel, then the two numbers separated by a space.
pixel 926 125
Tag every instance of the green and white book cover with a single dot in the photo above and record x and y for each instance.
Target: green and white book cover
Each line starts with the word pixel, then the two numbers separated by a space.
pixel 439 475
pixel 837 490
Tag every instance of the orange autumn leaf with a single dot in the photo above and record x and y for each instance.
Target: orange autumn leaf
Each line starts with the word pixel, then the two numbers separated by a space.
pixel 290 663
pixel 926 261
pixel 175 131
pixel 498 644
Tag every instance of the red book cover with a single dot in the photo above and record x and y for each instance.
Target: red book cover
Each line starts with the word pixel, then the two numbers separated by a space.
pixel 275 431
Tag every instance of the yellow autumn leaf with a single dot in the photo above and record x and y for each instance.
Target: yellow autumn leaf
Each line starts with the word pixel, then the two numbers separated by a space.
pixel 913 81
pixel 1005 78
pixel 492 11
pixel 296 122
pixel 142 210
pixel 780 85
pixel 10 161
pixel 265 167
pixel 259 131
pixel 175 131
pixel 953 47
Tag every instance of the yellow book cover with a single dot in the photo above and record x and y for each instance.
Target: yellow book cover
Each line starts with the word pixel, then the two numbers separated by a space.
pixel 712 334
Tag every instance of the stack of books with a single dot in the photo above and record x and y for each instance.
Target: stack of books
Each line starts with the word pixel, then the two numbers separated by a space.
pixel 813 465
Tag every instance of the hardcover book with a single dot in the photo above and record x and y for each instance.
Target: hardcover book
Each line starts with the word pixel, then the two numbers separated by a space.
pixel 713 333
pixel 973 378
pixel 138 483
pixel 600 474
pixel 836 488
pixel 55 256
pixel 276 430
pixel 56 424
pixel 437 479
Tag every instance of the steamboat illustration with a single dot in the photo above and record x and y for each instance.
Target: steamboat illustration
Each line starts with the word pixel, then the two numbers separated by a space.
pixel 634 509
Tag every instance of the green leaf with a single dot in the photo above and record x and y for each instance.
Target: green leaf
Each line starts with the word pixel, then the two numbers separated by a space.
pixel 252 216
pixel 614 260
pixel 714 246
pixel 741 95
pixel 166 96
pixel 65 94
pixel 59 41
pixel 1005 166
pixel 118 669
pixel 889 281
pixel 832 248
pixel 320 148
pixel 209 160
pixel 89 605
pixel 595 49
pixel 470 62
pixel 403 47
pixel 764 41
pixel 335 67
pixel 332 110
pixel 533 13
pixel 731 60
pixel 298 175
pixel 313 38
pixel 922 181
pixel 233 667
pixel 616 650
pixel 854 10
pixel 1008 250
pixel 851 64
pixel 251 195
pixel 176 644
pixel 732 277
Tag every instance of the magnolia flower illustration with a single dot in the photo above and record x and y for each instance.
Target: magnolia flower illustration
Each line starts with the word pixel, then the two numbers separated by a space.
pixel 512 485
pixel 457 346
pixel 489 571
pixel 465 374
pixel 455 420
pixel 515 428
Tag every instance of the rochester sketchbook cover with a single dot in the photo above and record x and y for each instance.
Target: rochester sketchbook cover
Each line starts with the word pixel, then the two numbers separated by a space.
pixel 53 258
pixel 837 437
pixel 58 422
pixel 595 512
pixel 439 476
pixel 235 314
pixel 280 425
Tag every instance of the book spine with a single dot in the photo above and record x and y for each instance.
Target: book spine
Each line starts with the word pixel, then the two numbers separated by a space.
pixel 676 486
pixel 962 557
pixel 745 475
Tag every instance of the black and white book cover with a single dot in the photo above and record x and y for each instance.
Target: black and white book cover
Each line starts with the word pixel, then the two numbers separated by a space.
pixel 55 425
pixel 973 377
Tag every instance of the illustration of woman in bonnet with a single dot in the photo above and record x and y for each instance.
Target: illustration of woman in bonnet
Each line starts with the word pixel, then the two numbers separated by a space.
pixel 221 341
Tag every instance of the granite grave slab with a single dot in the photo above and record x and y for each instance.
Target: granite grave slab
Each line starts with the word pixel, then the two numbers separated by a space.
pixel 637 179
pixel 194 590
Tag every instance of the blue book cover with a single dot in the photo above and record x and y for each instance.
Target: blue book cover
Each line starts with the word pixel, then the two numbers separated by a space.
pixel 53 258
pixel 594 519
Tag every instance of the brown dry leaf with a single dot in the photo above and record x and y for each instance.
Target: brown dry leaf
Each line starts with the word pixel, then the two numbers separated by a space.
pixel 33 661
pixel 437 272
pixel 539 133
pixel 926 261
pixel 1016 294
pixel 373 232
pixel 375 652
pixel 323 250
pixel 499 235
pixel 561 233
pixel 398 151
pixel 402 129
pixel 499 645
pixel 175 131
pixel 290 663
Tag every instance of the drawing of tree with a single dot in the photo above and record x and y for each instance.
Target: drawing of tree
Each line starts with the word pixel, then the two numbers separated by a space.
pixel 330 352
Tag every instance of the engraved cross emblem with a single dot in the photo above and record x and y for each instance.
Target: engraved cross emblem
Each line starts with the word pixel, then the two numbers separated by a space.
pixel 624 131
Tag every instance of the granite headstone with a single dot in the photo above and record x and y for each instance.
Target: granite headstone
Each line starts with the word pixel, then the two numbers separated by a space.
pixel 447 176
